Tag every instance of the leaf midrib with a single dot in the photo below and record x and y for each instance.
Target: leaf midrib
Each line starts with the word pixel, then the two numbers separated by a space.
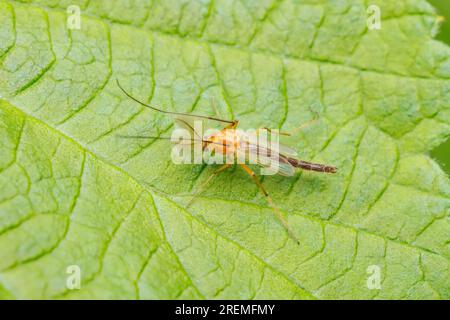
pixel 149 189
pixel 152 189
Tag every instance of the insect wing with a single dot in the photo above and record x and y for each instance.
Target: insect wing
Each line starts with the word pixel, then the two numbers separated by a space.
pixel 286 151
pixel 190 124
pixel 266 158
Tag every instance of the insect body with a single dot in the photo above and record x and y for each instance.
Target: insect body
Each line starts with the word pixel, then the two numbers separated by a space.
pixel 231 142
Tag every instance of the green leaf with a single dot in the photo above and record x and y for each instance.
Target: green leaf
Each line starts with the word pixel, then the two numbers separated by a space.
pixel 74 193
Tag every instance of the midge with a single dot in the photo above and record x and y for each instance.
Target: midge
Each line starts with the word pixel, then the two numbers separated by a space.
pixel 233 143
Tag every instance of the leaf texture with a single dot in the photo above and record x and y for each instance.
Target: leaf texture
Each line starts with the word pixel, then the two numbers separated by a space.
pixel 72 192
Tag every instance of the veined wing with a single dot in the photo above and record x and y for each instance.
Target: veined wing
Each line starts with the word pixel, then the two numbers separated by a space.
pixel 266 157
pixel 282 149
pixel 286 151
pixel 190 124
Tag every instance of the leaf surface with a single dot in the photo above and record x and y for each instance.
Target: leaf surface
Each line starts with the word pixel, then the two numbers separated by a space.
pixel 72 192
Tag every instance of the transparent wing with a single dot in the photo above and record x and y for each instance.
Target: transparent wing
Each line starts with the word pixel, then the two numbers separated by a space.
pixel 284 167
pixel 191 125
pixel 267 158
pixel 284 150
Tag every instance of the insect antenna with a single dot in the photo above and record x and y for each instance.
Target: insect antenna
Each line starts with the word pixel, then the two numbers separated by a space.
pixel 171 112
pixel 157 137
pixel 166 138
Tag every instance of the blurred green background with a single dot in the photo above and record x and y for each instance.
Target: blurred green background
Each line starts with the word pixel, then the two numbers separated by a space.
pixel 442 153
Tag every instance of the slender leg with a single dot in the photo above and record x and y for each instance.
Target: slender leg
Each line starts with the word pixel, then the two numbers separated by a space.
pixel 269 200
pixel 278 132
pixel 233 124
pixel 307 123
pixel 205 184
pixel 293 131
pixel 301 127
pixel 214 106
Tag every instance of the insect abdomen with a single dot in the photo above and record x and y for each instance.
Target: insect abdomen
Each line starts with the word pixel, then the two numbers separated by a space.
pixel 312 166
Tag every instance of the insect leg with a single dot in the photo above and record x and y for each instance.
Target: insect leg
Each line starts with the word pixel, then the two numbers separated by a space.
pixel 301 127
pixel 270 201
pixel 295 130
pixel 205 184
pixel 277 132
pixel 233 123
pixel 214 106
pixel 306 124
